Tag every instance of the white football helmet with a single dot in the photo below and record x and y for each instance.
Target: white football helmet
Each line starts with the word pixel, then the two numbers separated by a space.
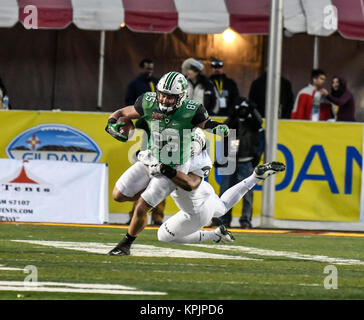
pixel 172 84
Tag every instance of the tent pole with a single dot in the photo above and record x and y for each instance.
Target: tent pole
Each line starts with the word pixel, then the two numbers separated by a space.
pixel 101 70
pixel 272 107
pixel 316 52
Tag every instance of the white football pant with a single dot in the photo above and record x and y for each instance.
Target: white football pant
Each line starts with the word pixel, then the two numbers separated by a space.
pixel 136 178
pixel 186 228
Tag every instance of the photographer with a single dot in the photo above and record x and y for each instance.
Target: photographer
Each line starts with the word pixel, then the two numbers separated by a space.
pixel 248 148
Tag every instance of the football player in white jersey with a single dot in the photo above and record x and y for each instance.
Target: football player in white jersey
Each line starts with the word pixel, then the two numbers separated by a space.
pixel 198 201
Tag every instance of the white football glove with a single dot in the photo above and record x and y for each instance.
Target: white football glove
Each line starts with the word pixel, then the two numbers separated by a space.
pixel 155 170
pixel 146 157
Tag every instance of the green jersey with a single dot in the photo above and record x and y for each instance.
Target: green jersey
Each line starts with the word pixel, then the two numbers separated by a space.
pixel 170 135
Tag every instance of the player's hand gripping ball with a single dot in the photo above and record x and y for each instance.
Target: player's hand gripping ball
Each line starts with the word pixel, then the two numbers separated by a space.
pixel 120 129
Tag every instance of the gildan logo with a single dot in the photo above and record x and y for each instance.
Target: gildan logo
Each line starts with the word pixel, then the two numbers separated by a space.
pixel 23 183
pixel 53 142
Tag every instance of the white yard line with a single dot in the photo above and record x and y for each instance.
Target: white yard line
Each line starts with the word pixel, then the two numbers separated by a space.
pixel 72 285
pixel 287 254
pixel 309 284
pixel 138 250
pixel 3 268
pixel 75 288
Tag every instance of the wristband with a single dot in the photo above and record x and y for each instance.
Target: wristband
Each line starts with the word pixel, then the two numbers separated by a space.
pixel 211 124
pixel 168 171
pixel 112 120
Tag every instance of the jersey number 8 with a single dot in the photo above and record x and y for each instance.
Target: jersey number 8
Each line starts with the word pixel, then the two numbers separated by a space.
pixel 191 106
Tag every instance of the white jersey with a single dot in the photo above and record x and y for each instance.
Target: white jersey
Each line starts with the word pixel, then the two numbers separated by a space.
pixel 191 201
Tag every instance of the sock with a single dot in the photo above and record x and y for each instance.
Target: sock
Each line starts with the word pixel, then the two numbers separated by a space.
pixel 208 235
pixel 198 236
pixel 234 194
pixel 128 240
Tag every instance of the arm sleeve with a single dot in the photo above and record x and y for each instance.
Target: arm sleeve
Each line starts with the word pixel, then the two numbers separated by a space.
pixel 201 165
pixel 297 112
pixel 202 172
pixel 200 116
pixel 339 101
pixel 138 105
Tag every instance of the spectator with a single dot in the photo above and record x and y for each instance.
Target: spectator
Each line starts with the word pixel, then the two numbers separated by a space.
pixel 200 88
pixel 342 98
pixel 226 90
pixel 185 65
pixel 257 94
pixel 309 104
pixel 247 121
pixel 144 82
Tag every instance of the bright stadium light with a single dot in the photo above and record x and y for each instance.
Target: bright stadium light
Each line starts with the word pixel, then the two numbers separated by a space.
pixel 229 35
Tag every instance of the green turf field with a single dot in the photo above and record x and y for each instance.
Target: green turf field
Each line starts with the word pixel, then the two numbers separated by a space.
pixel 71 263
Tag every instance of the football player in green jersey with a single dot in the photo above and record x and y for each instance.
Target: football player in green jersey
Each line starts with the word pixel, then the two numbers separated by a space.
pixel 170 117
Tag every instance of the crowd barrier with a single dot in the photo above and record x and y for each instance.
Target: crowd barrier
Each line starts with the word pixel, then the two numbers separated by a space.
pixel 322 181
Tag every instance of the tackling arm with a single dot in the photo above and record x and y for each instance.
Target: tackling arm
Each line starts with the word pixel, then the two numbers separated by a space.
pixel 187 182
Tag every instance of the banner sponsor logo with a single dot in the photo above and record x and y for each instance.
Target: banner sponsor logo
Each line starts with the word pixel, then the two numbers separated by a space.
pixel 52 191
pixel 53 142
pixel 17 191
pixel 23 183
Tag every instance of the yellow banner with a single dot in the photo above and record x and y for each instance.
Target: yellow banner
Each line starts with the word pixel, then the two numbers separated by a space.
pixel 323 177
pixel 322 180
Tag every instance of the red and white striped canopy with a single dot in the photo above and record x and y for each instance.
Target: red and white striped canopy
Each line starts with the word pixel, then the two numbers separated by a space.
pixel 191 16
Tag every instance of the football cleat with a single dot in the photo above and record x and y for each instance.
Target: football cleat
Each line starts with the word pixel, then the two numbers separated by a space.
pixel 223 234
pixel 265 170
pixel 120 250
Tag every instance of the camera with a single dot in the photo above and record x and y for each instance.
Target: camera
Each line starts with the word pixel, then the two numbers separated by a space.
pixel 242 108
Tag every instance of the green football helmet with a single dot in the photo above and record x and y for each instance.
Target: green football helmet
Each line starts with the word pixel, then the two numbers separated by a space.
pixel 172 84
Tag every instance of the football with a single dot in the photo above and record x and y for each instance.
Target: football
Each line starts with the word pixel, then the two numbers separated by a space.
pixel 129 127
